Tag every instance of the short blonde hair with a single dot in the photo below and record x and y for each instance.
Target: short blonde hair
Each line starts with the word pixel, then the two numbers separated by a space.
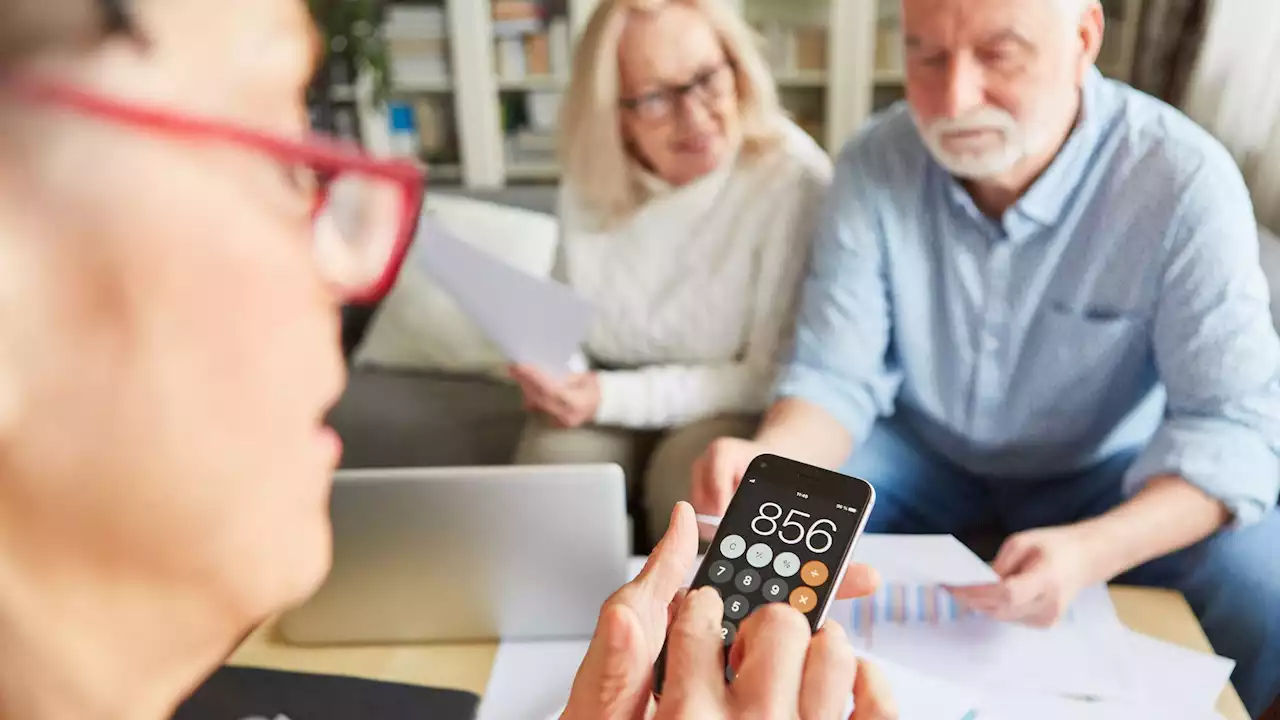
pixel 594 158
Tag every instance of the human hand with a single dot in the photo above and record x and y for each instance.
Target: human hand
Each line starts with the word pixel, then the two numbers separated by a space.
pixel 780 668
pixel 1041 573
pixel 616 678
pixel 719 470
pixel 569 403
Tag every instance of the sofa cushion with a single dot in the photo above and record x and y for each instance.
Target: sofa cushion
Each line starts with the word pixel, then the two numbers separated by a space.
pixel 419 325
pixel 397 418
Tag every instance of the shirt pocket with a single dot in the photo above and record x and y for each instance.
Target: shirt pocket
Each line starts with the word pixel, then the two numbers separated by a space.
pixel 1088 356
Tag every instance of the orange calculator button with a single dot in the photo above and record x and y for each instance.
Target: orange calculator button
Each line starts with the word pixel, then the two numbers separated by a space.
pixel 814 573
pixel 804 599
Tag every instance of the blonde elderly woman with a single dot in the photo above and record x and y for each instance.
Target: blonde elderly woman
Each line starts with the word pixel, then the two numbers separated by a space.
pixel 686 212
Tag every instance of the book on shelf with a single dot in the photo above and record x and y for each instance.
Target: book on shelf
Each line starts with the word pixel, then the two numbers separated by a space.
pixel 417 45
pixel 421 127
pixel 560 39
pixel 793 48
pixel 514 18
pixel 415 21
pixel 542 109
pixel 531 38
pixel 509 58
pixel 809 51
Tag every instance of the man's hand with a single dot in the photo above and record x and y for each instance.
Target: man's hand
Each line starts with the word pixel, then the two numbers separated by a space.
pixel 616 678
pixel 1041 573
pixel 569 403
pixel 719 470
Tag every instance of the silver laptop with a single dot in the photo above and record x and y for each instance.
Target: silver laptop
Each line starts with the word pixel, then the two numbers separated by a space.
pixel 460 554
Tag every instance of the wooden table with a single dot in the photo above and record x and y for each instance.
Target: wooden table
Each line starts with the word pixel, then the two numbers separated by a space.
pixel 1159 613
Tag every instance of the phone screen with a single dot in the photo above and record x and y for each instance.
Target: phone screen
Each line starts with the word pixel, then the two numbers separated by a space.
pixel 786 537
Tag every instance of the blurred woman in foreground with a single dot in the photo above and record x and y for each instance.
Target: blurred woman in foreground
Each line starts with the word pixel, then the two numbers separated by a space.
pixel 174 249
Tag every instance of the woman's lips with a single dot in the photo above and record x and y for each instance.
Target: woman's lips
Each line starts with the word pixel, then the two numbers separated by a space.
pixel 695 145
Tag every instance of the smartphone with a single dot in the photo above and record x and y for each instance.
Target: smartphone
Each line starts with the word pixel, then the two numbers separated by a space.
pixel 787 536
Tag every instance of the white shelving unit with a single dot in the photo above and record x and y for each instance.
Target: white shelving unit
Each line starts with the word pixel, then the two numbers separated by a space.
pixel 863 71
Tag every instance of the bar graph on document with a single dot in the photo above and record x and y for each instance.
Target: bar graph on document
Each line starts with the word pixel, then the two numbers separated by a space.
pixel 908 604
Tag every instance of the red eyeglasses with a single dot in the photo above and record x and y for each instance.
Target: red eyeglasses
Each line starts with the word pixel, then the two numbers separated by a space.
pixel 367 209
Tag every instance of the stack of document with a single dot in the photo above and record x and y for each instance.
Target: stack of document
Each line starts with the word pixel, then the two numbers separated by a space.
pixel 944 663
pixel 1087 666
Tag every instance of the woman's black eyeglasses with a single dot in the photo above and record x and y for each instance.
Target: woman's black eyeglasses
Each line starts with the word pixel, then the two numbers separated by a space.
pixel 661 105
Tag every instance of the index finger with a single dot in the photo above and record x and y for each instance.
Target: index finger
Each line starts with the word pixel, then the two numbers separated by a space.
pixel 859 581
pixel 669 564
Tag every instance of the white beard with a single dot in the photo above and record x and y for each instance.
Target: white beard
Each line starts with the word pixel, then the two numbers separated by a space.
pixel 1014 144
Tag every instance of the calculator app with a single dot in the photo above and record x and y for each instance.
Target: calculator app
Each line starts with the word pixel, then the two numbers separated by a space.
pixel 777 544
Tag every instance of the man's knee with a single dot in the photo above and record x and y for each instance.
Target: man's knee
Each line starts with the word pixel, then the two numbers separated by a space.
pixel 670 467
pixel 1233 584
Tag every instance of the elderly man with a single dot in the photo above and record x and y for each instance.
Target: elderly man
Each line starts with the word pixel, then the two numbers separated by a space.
pixel 1036 300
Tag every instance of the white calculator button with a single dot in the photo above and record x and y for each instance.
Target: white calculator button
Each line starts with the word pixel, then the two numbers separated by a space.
pixel 759 555
pixel 786 564
pixel 733 546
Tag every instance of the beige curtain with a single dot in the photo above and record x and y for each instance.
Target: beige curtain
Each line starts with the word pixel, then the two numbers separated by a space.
pixel 1169 40
pixel 1235 93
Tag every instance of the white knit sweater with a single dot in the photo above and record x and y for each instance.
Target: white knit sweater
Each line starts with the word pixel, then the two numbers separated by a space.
pixel 695 293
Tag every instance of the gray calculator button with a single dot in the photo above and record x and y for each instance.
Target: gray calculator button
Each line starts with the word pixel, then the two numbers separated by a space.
pixel 775 590
pixel 786 564
pixel 733 546
pixel 747 581
pixel 736 607
pixel 728 631
pixel 728 673
pixel 759 555
pixel 721 572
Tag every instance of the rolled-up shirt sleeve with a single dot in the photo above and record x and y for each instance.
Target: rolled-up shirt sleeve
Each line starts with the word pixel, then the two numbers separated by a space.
pixel 842 335
pixel 1217 353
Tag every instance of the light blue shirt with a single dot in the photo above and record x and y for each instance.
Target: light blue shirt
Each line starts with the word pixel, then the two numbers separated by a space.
pixel 1118 305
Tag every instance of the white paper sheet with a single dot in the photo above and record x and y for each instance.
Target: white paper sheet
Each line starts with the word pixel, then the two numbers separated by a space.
pixel 1174 679
pixel 923 559
pixel 532 321
pixel 924 697
pixel 531 680
pixel 1026 707
pixel 919 626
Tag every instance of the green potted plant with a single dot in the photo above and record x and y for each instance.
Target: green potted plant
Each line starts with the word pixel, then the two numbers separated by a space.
pixel 352 34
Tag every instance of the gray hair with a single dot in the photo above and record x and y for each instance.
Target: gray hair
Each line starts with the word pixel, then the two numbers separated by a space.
pixel 30 27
